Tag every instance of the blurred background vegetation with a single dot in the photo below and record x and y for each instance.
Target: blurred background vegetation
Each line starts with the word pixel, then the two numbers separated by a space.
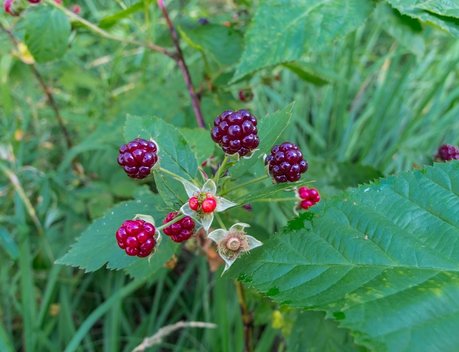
pixel 375 103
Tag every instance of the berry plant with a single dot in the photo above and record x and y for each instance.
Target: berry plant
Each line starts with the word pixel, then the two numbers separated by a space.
pixel 229 175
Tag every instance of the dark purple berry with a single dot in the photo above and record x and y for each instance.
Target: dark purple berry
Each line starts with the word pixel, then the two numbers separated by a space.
pixel 286 163
pixel 203 21
pixel 34 1
pixel 136 237
pixel 180 231
pixel 236 132
pixel 447 152
pixel 138 157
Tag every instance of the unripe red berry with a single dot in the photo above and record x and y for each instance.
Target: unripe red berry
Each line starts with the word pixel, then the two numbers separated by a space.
pixel 180 231
pixel 209 204
pixel 193 202
pixel 76 9
pixel 309 197
pixel 34 1
pixel 136 237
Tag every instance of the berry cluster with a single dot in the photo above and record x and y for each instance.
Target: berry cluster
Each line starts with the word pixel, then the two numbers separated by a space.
pixel 181 230
pixel 236 132
pixel 136 237
pixel 308 196
pixel 286 163
pixel 138 157
pixel 203 202
pixel 447 152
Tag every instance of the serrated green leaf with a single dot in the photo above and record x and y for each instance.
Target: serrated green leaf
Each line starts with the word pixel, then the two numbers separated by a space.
pixel 97 245
pixel 221 43
pixel 174 153
pixel 171 191
pixel 444 14
pixel 47 31
pixel 313 333
pixel 281 31
pixel 270 128
pixel 308 73
pixel 381 259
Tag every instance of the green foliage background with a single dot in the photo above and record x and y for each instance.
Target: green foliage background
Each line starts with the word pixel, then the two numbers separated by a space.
pixel 374 91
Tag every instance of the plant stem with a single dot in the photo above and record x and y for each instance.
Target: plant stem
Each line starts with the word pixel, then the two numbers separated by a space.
pixel 170 173
pixel 274 200
pixel 183 67
pixel 245 184
pixel 220 170
pixel 173 221
pixel 247 319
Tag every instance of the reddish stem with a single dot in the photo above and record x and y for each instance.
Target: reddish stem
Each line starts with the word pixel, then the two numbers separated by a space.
pixel 183 67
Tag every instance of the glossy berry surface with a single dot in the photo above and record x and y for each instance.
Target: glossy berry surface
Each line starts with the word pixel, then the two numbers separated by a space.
pixel 8 7
pixel 236 132
pixel 308 196
pixel 203 202
pixel 136 237
pixel 34 1
pixel 447 152
pixel 180 231
pixel 286 163
pixel 138 157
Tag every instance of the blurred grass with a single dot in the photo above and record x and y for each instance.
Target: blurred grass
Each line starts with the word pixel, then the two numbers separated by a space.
pixel 384 110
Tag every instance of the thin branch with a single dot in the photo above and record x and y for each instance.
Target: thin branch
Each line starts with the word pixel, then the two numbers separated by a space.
pixel 157 338
pixel 183 67
pixel 247 318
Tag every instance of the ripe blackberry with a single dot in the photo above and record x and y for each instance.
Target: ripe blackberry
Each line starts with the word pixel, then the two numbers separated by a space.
pixel 138 157
pixel 136 237
pixel 181 230
pixel 236 132
pixel 308 196
pixel 286 163
pixel 447 152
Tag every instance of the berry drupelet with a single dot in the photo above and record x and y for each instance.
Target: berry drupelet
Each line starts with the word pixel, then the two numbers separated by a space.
pixel 205 203
pixel 286 163
pixel 138 157
pixel 236 132
pixel 308 196
pixel 136 237
pixel 447 152
pixel 180 231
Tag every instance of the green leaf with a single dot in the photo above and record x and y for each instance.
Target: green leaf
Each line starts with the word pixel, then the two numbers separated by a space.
pixel 281 31
pixel 406 30
pixel 270 128
pixel 308 73
pixel 47 32
pixel 221 43
pixel 381 259
pixel 113 19
pixel 171 191
pixel 313 333
pixel 97 245
pixel 200 142
pixel 174 153
pixel 8 244
pixel 441 13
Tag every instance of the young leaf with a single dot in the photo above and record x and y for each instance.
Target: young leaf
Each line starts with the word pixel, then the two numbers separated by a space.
pixel 381 259
pixel 282 30
pixel 175 154
pixel 47 31
pixel 97 245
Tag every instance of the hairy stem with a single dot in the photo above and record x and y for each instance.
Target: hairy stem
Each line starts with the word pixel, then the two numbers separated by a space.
pixel 221 169
pixel 183 67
